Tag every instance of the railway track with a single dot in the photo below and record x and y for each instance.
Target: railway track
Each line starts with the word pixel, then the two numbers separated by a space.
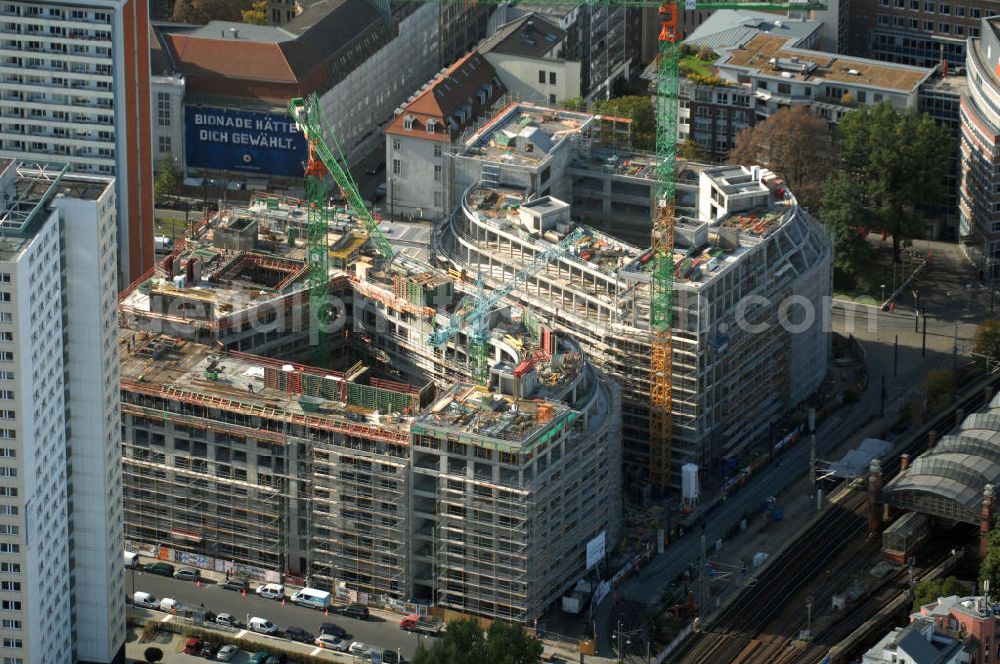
pixel 731 636
pixel 737 634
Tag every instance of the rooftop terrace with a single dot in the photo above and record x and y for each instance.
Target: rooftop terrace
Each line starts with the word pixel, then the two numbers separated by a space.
pixel 771 55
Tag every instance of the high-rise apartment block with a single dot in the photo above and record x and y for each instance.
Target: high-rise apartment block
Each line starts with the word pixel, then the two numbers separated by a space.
pixel 75 88
pixel 60 469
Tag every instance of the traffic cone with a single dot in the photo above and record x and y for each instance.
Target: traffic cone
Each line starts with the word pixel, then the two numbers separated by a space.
pixel 326 611
pixel 197 583
pixel 244 592
pixel 282 601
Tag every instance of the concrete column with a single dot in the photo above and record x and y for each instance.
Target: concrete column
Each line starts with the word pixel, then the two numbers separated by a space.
pixel 985 518
pixel 874 487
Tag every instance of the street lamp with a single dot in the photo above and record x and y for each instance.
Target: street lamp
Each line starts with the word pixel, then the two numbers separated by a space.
pixel 883 292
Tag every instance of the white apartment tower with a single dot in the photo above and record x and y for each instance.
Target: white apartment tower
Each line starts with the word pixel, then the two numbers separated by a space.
pixel 61 572
pixel 74 87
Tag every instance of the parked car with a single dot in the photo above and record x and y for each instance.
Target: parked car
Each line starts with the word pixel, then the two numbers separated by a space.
pixel 276 659
pixel 380 192
pixel 333 630
pixel 271 591
pixel 227 620
pixel 391 657
pixel 262 626
pixel 145 600
pixel 259 657
pixel 331 642
pixel 298 634
pixel 359 611
pixel 192 646
pixel 226 653
pixel 132 560
pixel 187 574
pixel 239 585
pixel 209 651
pixel 169 605
pixel 376 169
pixel 163 569
pixel 360 649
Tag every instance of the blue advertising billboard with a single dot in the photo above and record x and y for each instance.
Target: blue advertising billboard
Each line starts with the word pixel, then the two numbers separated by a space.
pixel 229 139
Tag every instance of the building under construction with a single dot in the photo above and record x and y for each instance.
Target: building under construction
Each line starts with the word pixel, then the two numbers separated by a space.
pixel 751 284
pixel 388 473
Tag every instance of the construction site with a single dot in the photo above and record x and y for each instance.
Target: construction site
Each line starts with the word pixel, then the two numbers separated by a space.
pixel 391 471
pixel 752 274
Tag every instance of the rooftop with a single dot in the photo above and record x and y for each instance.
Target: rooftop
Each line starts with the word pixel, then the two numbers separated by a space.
pixel 728 28
pixel 259 386
pixel 530 36
pixel 771 55
pixel 450 101
pixel 483 416
pixel 525 133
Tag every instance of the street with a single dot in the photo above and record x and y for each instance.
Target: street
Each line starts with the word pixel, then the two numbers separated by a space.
pixel 376 631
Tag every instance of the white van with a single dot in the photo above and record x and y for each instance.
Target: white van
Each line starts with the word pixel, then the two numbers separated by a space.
pixel 131 560
pixel 271 591
pixel 262 626
pixel 145 600
pixel 168 605
pixel 313 598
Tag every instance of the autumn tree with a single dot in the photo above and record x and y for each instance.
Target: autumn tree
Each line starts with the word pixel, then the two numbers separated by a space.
pixel 464 642
pixel 986 344
pixel 199 12
pixel 691 151
pixel 793 143
pixel 930 590
pixel 257 14
pixel 897 163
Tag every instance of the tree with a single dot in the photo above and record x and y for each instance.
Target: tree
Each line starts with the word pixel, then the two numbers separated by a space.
pixel 897 162
pixel 941 389
pixel 465 643
pixel 202 11
pixel 930 590
pixel 152 655
pixel 168 178
pixel 793 143
pixel 691 151
pixel 574 104
pixel 840 210
pixel 640 110
pixel 989 570
pixel 257 14
pixel 986 344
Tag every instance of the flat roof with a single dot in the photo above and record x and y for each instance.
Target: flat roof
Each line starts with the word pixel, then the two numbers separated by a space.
pixel 525 133
pixel 726 28
pixel 530 36
pixel 761 49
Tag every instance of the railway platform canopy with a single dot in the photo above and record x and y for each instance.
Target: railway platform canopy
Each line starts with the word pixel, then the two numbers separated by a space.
pixel 950 479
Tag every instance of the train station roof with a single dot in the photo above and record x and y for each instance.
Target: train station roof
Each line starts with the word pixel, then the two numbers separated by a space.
pixel 949 480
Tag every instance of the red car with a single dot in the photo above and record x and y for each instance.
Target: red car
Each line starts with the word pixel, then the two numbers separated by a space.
pixel 192 647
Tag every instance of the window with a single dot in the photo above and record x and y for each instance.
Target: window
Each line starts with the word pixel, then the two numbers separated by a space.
pixel 7 547
pixel 164 145
pixel 395 144
pixel 784 89
pixel 552 78
pixel 897 21
pixel 862 97
pixel 541 76
pixel 944 9
pixel 11 624
pixel 552 99
pixel 959 30
pixel 438 199
pixel 929 6
pixel 12 643
pixel 13 568
pixel 438 150
pixel 163 109
pixel 915 5
pixel 10 586
pixel 960 11
pixel 929 26
pixel 883 3
pixel 437 172
pixel 976 12
pixel 900 4
pixel 883 19
pixel 914 24
pixel 945 28
pixel 397 168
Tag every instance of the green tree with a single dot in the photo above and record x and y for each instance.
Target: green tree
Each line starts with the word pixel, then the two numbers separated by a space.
pixel 257 14
pixel 986 344
pixel 168 178
pixel 989 570
pixel 941 389
pixel 897 162
pixel 574 104
pixel 793 143
pixel 929 591
pixel 691 151
pixel 464 642
pixel 840 210
pixel 152 655
pixel 640 110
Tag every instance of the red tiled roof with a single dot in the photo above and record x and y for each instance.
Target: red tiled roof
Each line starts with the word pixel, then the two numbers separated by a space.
pixel 230 58
pixel 447 93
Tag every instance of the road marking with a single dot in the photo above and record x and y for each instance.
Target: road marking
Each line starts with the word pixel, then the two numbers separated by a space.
pixel 241 634
pixel 167 618
pixel 315 652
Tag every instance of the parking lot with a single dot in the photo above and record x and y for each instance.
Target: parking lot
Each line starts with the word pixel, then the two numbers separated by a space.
pixel 380 630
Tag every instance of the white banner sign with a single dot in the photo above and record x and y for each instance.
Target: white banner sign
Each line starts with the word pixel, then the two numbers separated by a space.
pixel 595 550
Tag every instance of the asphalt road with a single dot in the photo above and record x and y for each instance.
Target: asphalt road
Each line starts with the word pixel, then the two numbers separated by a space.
pixel 375 631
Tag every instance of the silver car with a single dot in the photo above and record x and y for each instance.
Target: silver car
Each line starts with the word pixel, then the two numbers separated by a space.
pixel 226 653
pixel 187 574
